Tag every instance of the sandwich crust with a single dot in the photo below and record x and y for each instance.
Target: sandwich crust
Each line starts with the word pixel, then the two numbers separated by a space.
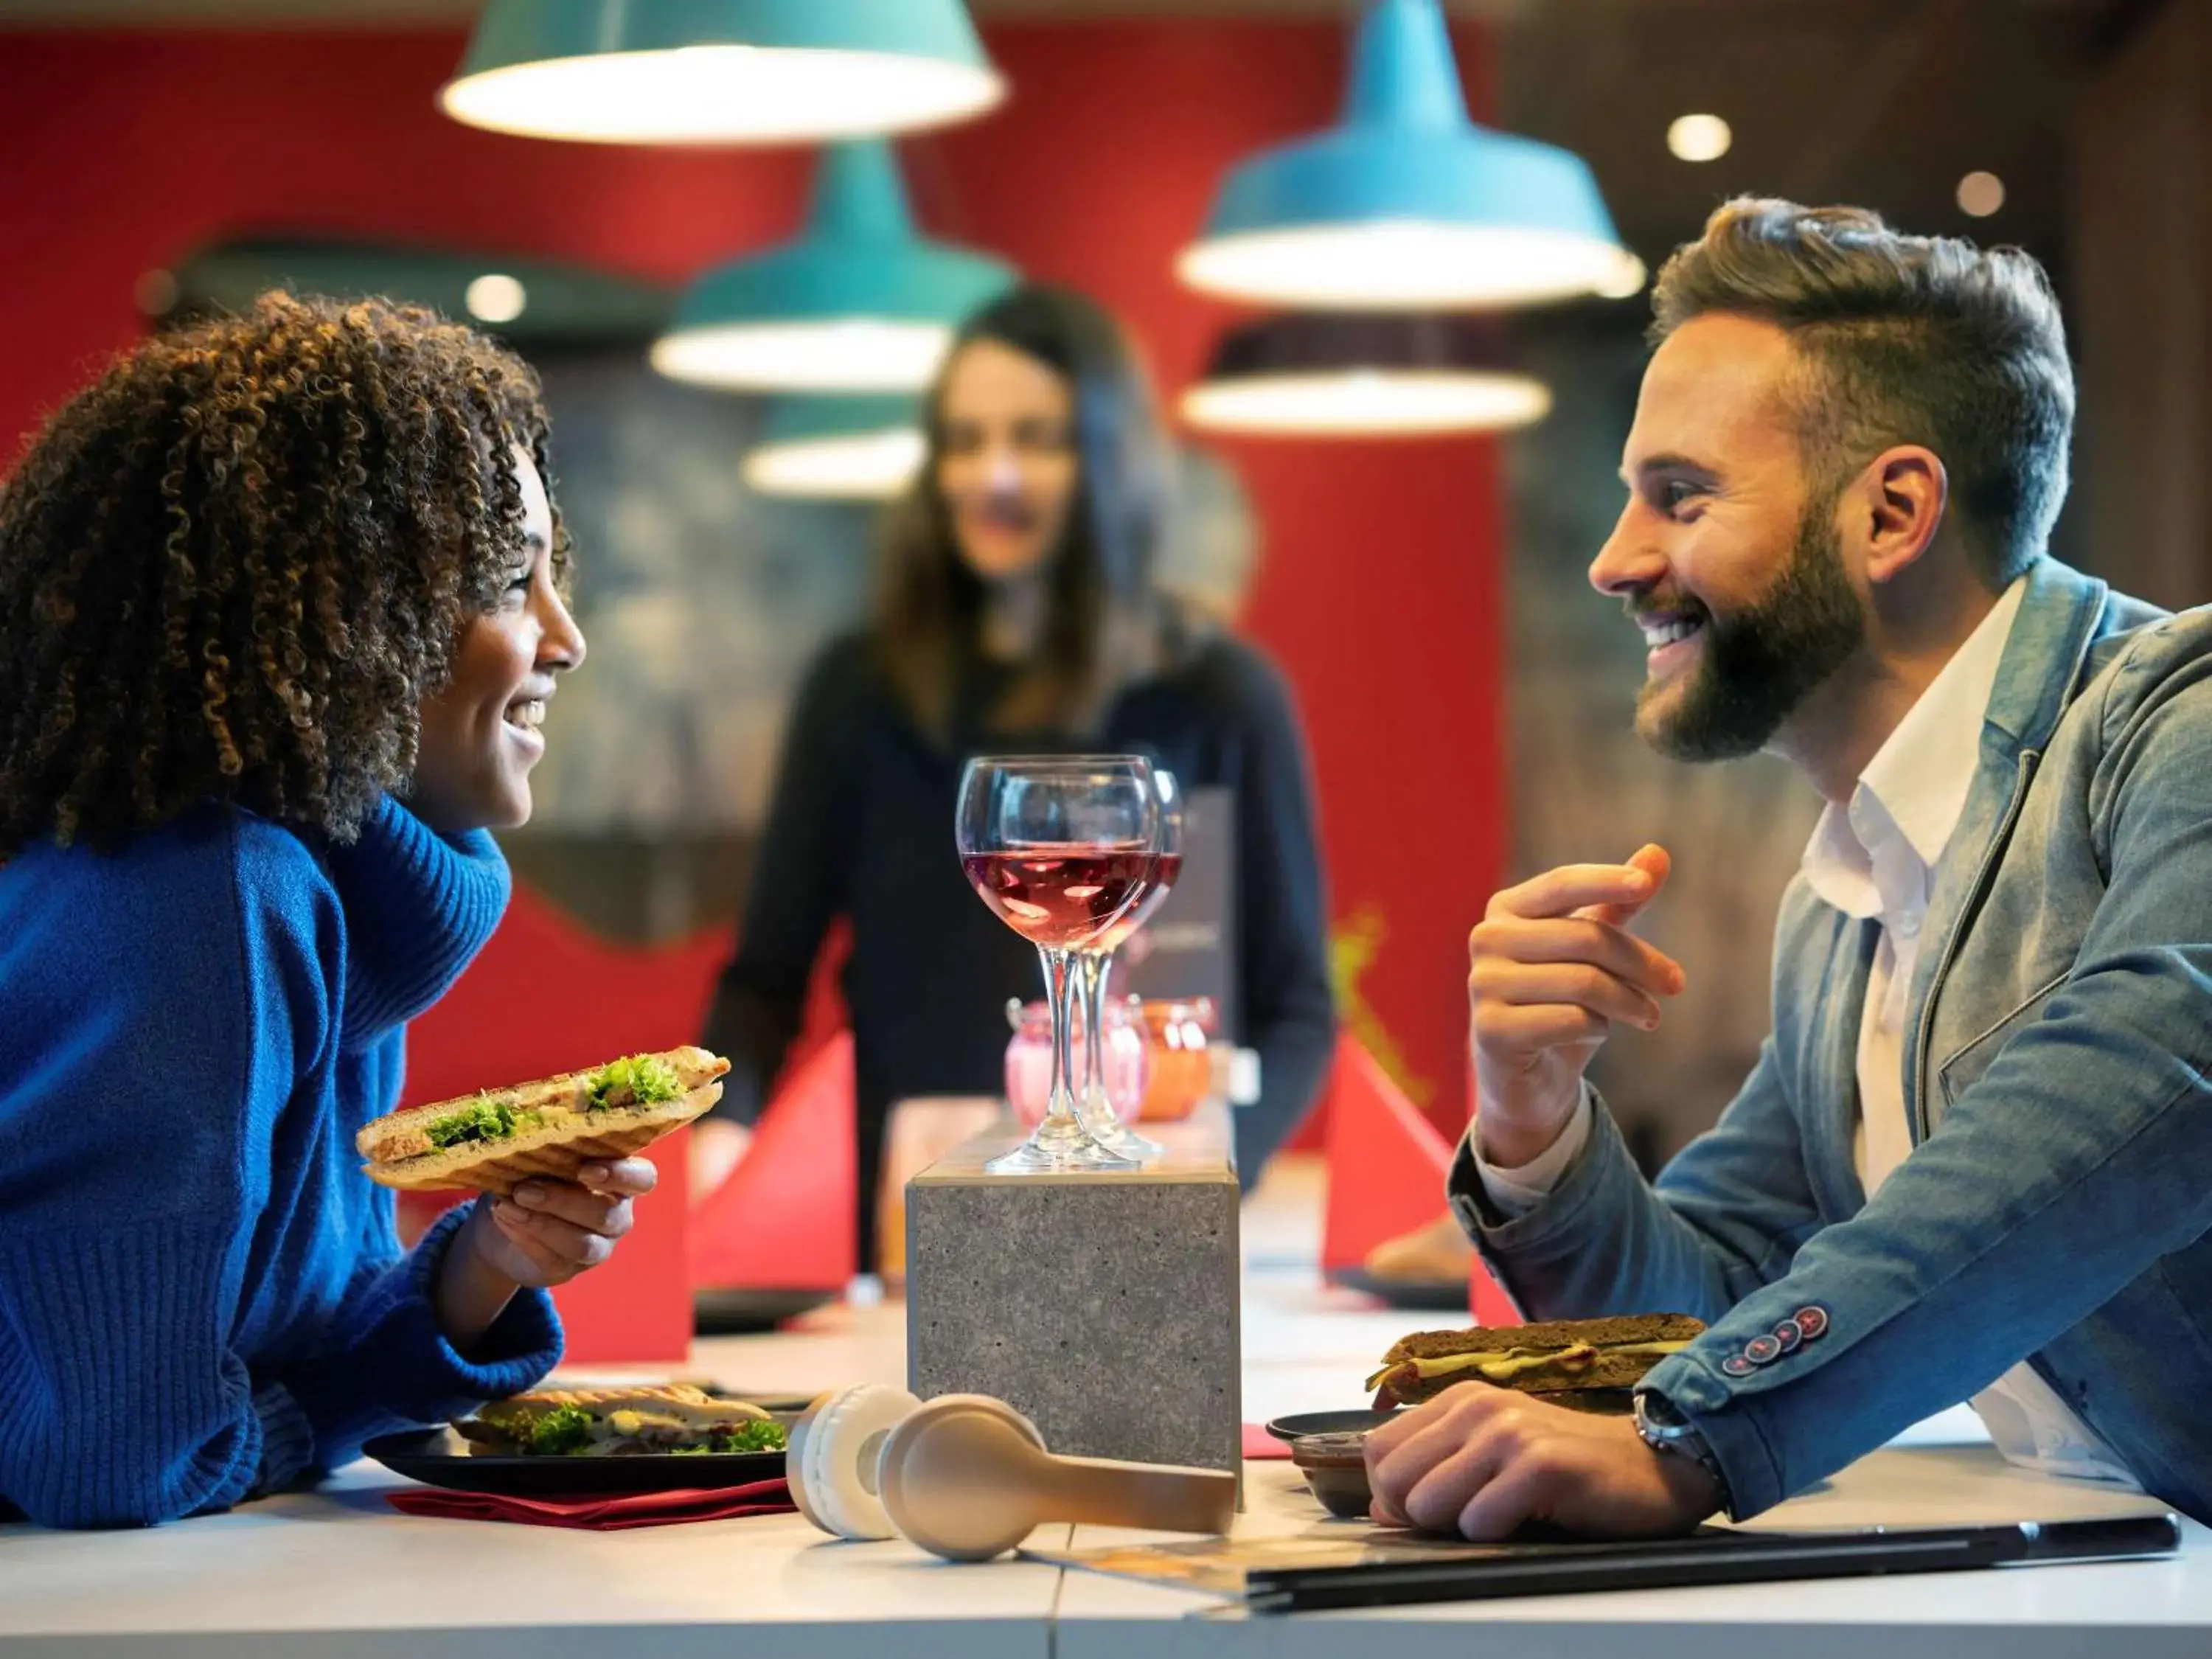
pixel 608 1422
pixel 1589 1363
pixel 551 1127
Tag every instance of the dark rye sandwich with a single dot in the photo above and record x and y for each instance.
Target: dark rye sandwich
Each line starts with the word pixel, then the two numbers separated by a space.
pixel 619 1422
pixel 489 1141
pixel 1588 1364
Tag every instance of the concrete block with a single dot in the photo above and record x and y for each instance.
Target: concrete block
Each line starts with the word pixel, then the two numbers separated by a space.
pixel 1103 1306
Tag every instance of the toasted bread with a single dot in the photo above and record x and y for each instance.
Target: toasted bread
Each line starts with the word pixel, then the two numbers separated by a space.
pixel 609 1422
pixel 1589 1363
pixel 551 1127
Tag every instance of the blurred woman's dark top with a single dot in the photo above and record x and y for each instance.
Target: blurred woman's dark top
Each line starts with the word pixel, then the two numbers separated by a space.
pixel 861 827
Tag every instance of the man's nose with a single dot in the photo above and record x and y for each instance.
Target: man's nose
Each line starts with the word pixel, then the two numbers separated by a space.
pixel 1628 563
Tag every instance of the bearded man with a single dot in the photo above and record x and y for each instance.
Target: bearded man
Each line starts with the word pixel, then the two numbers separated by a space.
pixel 1973 1161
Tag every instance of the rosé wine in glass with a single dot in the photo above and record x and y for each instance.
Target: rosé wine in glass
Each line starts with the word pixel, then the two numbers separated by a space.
pixel 1061 848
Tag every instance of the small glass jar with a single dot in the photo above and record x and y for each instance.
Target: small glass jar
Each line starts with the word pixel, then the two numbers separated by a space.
pixel 1182 1071
pixel 1029 1059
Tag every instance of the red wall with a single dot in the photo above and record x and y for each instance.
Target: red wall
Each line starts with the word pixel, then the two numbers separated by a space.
pixel 123 151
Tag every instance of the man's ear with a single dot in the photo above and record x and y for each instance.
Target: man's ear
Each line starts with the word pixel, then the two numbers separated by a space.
pixel 1896 506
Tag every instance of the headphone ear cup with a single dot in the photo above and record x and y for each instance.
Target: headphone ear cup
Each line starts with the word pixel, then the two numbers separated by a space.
pixel 957 1480
pixel 832 1459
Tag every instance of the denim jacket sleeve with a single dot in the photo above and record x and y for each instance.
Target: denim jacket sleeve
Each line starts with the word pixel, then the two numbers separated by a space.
pixel 2072 1164
pixel 2076 1160
pixel 2082 1156
pixel 1725 1218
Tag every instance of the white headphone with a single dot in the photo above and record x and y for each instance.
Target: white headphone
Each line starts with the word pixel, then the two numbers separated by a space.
pixel 968 1477
pixel 835 1453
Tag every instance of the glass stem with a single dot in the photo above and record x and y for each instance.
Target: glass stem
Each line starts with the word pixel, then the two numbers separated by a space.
pixel 1093 966
pixel 1060 1108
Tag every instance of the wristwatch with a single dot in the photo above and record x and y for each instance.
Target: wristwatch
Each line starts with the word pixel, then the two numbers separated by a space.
pixel 1667 1431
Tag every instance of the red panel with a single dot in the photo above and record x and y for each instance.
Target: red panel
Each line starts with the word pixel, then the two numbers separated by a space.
pixel 636 1308
pixel 124 150
pixel 784 1219
pixel 1386 1162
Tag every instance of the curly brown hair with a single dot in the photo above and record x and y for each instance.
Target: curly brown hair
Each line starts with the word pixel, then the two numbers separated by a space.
pixel 234 566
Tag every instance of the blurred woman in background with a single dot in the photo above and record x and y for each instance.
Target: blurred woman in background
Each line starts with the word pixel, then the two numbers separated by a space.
pixel 1018 611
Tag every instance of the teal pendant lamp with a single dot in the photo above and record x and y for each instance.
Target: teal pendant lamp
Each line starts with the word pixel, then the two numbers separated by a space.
pixel 838 448
pixel 1406 204
pixel 858 302
pixel 721 71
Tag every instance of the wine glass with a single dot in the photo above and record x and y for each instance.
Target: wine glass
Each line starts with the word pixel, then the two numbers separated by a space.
pixel 1060 847
pixel 1095 967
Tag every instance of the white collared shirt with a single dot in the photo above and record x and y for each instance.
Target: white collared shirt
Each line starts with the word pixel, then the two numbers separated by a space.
pixel 1876 857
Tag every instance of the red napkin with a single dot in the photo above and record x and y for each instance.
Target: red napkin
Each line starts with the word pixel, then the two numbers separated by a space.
pixel 1386 1163
pixel 1258 1443
pixel 599 1514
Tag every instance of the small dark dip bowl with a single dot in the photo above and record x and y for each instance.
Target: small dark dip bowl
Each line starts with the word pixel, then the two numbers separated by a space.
pixel 1335 1467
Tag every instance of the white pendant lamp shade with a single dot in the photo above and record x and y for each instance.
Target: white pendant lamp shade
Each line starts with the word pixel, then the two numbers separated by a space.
pixel 721 71
pixel 838 448
pixel 1363 375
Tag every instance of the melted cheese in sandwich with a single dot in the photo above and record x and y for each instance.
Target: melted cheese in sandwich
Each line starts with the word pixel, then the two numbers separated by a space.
pixel 1495 1367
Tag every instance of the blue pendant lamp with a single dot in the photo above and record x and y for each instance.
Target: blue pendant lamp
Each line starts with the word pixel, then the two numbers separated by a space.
pixel 858 302
pixel 721 71
pixel 1406 204
pixel 838 448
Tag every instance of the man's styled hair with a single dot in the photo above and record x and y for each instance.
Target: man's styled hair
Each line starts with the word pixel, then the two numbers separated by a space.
pixel 1905 339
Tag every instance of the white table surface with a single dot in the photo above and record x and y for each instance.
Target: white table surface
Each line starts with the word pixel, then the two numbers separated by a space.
pixel 336 1574
pixel 2130 1610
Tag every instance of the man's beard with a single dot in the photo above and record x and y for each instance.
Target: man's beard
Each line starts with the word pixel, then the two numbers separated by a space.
pixel 1755 668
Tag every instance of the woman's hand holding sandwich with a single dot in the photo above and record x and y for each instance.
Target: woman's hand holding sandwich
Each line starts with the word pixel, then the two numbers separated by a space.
pixel 544 1235
pixel 1552 968
pixel 1482 1461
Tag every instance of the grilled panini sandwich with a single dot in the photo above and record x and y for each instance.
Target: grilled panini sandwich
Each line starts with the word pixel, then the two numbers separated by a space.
pixel 1588 1364
pixel 490 1141
pixel 621 1422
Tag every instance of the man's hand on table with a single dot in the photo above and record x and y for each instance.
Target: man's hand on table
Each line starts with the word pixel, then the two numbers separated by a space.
pixel 1480 1461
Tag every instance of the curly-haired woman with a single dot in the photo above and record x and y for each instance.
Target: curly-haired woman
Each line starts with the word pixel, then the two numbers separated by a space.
pixel 280 608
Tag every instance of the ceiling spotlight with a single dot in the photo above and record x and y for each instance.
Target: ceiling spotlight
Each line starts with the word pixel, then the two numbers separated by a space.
pixel 1981 194
pixel 1627 280
pixel 156 291
pixel 495 297
pixel 1698 137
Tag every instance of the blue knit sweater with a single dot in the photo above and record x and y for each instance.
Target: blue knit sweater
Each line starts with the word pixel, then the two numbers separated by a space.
pixel 201 1297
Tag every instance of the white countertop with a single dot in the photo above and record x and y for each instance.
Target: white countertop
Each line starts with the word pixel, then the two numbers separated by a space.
pixel 2138 1610
pixel 336 1574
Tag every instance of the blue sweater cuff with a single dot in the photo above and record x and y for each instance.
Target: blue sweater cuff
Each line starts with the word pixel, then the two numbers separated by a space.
pixel 393 1369
pixel 288 1439
pixel 115 1418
